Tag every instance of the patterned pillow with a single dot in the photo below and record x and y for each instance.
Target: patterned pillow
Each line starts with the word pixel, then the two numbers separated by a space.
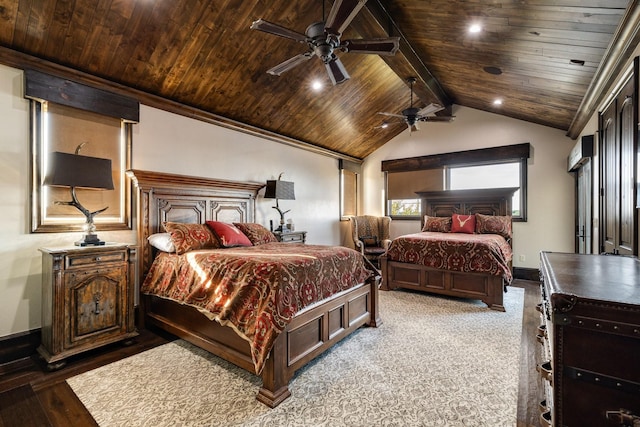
pixel 256 233
pixel 190 237
pixel 494 224
pixel 463 223
pixel 228 234
pixel 440 224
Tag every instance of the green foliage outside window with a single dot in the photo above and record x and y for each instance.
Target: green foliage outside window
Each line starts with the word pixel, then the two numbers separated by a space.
pixel 405 207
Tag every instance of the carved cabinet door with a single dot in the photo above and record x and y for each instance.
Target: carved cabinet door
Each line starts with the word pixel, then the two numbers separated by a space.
pixel 95 301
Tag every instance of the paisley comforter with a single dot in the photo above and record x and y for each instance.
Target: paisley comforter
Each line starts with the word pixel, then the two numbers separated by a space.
pixel 479 253
pixel 257 290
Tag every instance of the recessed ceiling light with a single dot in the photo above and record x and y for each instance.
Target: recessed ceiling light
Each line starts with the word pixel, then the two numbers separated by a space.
pixel 493 70
pixel 497 101
pixel 475 28
pixel 317 85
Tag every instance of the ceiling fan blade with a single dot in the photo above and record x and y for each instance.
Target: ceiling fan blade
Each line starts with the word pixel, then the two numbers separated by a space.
pixel 277 30
pixel 341 14
pixel 337 73
pixel 388 46
pixel 290 63
pixel 430 109
pixel 436 119
pixel 392 115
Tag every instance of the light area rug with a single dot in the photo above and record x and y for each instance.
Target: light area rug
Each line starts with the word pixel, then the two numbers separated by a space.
pixel 435 361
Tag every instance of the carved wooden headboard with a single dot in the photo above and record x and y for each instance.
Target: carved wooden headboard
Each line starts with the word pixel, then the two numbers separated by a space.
pixel 491 201
pixel 160 197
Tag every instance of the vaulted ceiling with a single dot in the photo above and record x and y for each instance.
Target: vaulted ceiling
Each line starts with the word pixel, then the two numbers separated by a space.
pixel 542 58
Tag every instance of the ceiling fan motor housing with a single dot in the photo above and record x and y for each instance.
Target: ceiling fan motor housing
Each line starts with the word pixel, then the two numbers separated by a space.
pixel 322 43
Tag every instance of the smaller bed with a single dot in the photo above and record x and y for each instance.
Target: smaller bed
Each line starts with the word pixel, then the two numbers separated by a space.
pixel 473 264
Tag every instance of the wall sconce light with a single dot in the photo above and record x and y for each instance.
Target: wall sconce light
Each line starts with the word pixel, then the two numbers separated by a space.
pixel 74 170
pixel 278 189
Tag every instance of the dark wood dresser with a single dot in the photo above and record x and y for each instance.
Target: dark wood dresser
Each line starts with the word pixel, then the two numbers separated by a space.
pixel 590 333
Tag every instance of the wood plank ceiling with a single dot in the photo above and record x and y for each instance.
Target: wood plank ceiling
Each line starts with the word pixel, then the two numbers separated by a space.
pixel 202 56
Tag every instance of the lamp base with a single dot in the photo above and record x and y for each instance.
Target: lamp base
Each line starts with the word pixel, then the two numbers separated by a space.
pixel 90 240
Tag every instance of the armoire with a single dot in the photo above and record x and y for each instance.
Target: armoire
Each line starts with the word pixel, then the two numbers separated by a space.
pixel 618 134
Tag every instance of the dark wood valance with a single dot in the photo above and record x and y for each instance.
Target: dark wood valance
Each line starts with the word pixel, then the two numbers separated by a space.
pixel 507 152
pixel 41 86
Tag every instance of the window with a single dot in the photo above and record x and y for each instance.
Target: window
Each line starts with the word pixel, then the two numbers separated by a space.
pixel 497 175
pixel 495 167
pixel 349 173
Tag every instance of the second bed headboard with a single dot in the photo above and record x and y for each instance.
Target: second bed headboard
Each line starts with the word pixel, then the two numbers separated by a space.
pixel 490 201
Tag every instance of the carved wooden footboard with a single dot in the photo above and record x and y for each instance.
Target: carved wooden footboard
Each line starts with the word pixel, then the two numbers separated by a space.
pixel 485 287
pixel 167 197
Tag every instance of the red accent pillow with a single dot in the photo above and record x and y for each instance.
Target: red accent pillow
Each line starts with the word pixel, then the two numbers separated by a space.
pixel 256 233
pixel 463 223
pixel 228 234
pixel 440 224
pixel 190 237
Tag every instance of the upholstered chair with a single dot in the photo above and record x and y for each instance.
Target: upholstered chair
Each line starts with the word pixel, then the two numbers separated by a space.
pixel 370 236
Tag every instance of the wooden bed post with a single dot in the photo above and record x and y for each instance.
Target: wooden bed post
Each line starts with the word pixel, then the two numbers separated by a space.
pixel 384 268
pixel 375 284
pixel 275 383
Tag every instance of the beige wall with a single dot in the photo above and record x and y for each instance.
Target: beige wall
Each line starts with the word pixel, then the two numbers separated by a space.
pixel 550 222
pixel 162 142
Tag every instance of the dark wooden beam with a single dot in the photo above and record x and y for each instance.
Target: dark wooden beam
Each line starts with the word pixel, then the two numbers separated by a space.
pixel 406 62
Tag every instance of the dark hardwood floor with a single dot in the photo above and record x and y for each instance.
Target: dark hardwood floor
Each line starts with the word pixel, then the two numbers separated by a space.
pixel 31 396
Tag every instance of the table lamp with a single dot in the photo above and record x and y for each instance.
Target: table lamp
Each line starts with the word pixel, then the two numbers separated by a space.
pixel 278 189
pixel 76 171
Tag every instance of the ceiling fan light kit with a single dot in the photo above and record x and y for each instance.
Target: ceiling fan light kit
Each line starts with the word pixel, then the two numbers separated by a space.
pixel 323 40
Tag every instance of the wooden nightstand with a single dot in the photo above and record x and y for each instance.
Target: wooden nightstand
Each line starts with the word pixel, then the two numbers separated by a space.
pixel 291 236
pixel 87 299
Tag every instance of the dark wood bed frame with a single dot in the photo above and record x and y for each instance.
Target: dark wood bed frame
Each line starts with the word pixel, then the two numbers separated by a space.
pixel 485 287
pixel 167 197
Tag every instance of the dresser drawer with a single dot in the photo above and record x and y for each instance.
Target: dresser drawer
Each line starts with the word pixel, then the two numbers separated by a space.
pixel 93 259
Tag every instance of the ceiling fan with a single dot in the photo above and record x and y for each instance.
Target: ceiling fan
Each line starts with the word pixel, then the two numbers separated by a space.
pixel 412 115
pixel 323 39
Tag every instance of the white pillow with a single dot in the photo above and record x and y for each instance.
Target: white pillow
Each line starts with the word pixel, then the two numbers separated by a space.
pixel 162 241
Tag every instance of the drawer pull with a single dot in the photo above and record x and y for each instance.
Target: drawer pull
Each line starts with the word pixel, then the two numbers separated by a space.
pixel 96 299
pixel 546 371
pixel 545 419
pixel 98 259
pixel 542 330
